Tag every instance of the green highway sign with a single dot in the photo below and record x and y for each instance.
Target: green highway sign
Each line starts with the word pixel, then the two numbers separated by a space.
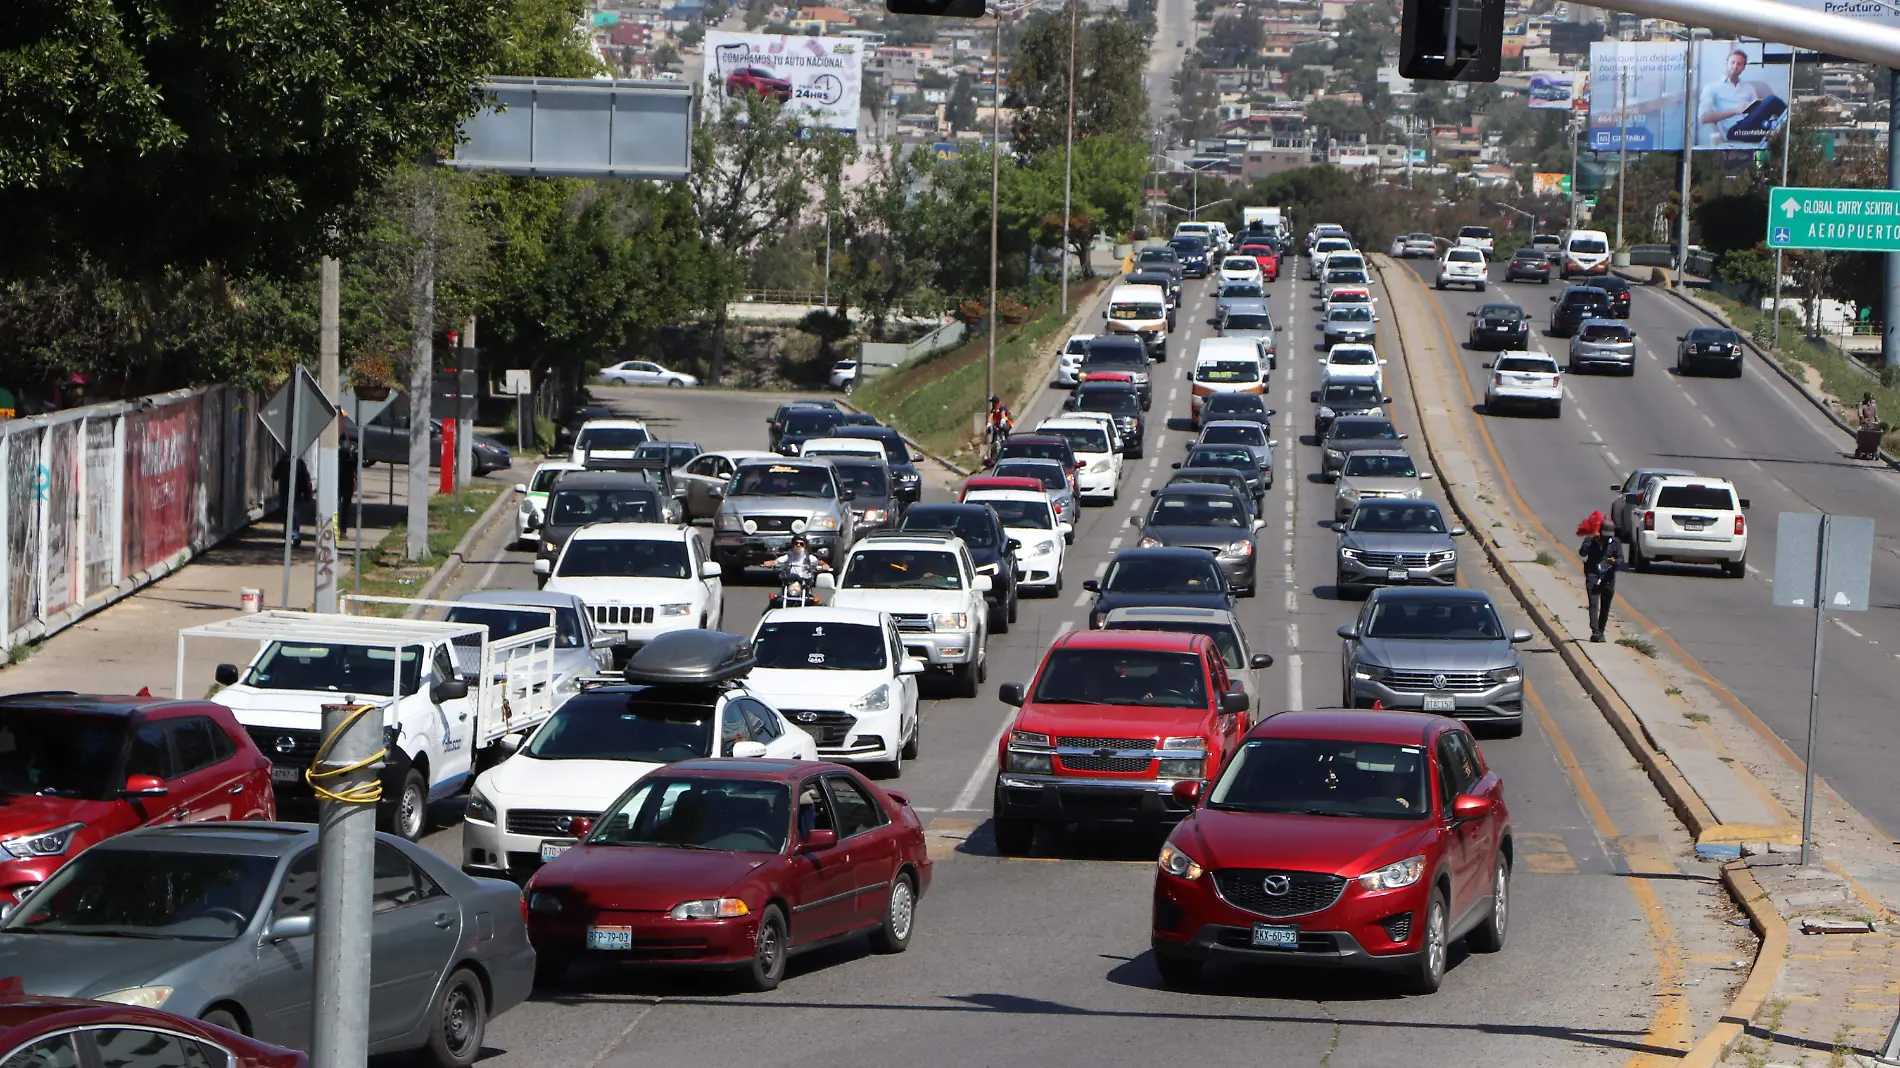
pixel 1848 220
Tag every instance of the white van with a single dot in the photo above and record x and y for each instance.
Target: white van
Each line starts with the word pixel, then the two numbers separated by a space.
pixel 1143 311
pixel 1226 365
pixel 1586 252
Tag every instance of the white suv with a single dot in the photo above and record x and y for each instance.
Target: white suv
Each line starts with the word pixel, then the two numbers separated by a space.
pixel 609 438
pixel 1524 380
pixel 1690 519
pixel 640 580
pixel 1462 266
pixel 843 676
pixel 929 586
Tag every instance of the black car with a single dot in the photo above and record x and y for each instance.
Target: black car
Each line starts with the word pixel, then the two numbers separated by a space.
pixel 803 424
pixel 1619 291
pixel 991 550
pixel 1192 252
pixel 386 440
pixel 1120 354
pixel 1350 434
pixel 1500 326
pixel 1161 258
pixel 905 478
pixel 1234 457
pixel 1185 578
pixel 1709 348
pixel 775 423
pixel 874 504
pixel 1574 305
pixel 1169 283
pixel 1528 265
pixel 582 497
pixel 1236 406
pixel 1120 400
pixel 1342 399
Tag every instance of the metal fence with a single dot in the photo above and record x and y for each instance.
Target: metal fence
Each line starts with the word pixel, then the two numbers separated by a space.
pixel 97 502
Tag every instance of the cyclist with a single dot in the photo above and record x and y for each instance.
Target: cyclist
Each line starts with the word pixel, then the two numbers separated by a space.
pixel 998 426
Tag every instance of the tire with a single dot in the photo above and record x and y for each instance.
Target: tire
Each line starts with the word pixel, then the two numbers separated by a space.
pixel 1178 972
pixel 999 619
pixel 963 680
pixel 1488 937
pixel 1630 371
pixel 458 1021
pixel 1736 569
pixel 1015 598
pixel 912 745
pixel 900 915
pixel 1557 410
pixel 769 948
pixel 224 1018
pixel 1638 562
pixel 1427 972
pixel 674 383
pixel 1014 837
pixel 1480 287
pixel 407 815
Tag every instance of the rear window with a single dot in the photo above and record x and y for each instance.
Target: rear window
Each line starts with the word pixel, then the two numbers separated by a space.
pixel 1103 356
pixel 1605 332
pixel 1050 477
pixel 1228 371
pixel 1247 321
pixel 1475 231
pixel 1240 263
pixel 1081 439
pixel 1343 262
pixel 1465 255
pixel 1526 363
pixel 1713 498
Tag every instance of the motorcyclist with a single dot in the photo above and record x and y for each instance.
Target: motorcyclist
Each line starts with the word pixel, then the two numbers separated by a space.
pixel 799 561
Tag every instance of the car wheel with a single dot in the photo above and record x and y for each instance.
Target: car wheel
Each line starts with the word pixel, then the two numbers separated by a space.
pixel 768 953
pixel 224 1018
pixel 963 679
pixel 900 912
pixel 1630 371
pixel 1488 937
pixel 1557 410
pixel 407 816
pixel 912 745
pixel 1480 287
pixel 1178 971
pixel 1735 568
pixel 674 383
pixel 1427 973
pixel 1638 562
pixel 999 619
pixel 459 1021
pixel 1736 371
pixel 1015 598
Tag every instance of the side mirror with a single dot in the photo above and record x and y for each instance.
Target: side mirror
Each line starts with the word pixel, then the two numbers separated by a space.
pixel 227 674
pixel 982 584
pixel 1135 521
pixel 1349 632
pixel 1259 523
pixel 1260 660
pixel 1313 396
pixel 710 570
pixel 144 786
pixel 818 841
pixel 1014 545
pixel 1011 694
pixel 285 928
pixel 1065 529
pixel 1271 442
pixel 1471 314
pixel 916 457
pixel 1187 792
pixel 1337 527
pixel 1679 337
pixel 1467 807
pixel 522 487
pixel 1744 503
pixel 1385 400
pixel 1487 365
pixel 1553 300
pixel 1424 475
pixel 543 566
pixel 1176 466
pixel 603 641
pixel 1457 532
pixel 715 492
pixel 748 750
pixel 847 494
pixel 1520 636
pixel 531 526
pixel 448 690
pixel 1234 701
pixel 1403 437
pixel 910 666
pixel 1382 363
pixel 1092 585
pixel 826 582
pixel 1616 487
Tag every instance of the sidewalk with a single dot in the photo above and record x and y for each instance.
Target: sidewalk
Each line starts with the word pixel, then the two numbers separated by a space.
pixel 1811 998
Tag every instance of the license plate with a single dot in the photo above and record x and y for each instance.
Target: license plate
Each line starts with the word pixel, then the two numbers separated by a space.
pixel 1268 936
pixel 283 774
pixel 555 847
pixel 1397 574
pixel 778 544
pixel 1440 702
pixel 610 938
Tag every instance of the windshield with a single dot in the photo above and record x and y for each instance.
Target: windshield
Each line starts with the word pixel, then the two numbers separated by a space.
pixel 576 507
pixel 1136 311
pixel 1188 246
pixel 802 646
pixel 1351 393
pixel 1240 263
pixel 1250 434
pixel 1081 439
pixel 1350 313
pixel 1709 335
pixel 1714 498
pixel 1604 332
pixel 1038 450
pixel 354 669
pixel 608 726
pixel 138 893
pixel 1183 573
pixel 1372 465
pixel 1246 321
pixel 1372 517
pixel 1228 370
pixel 1242 289
pixel 1527 363
pixel 1113 401
pixel 1223 634
pixel 970 524
pixel 612 438
pixel 782 480
pixel 624 558
pixel 505 621
pixel 1220 457
pixel 56 753
pixel 1346 261
pixel 1233 403
pixel 1322 777
pixel 1156 255
pixel 544 478
pixel 868 481
pixel 1475 231
pixel 1431 619
pixel 811 422
pixel 1031 514
pixel 1530 255
pixel 902 569
pixel 1049 475
pixel 1196 510
pixel 1378 429
pixel 1353 358
pixel 733 815
pixel 1122 677
pixel 1331 244
pixel 1589 246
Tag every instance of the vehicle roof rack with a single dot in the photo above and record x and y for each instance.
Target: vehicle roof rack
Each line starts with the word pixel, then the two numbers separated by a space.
pixel 691 656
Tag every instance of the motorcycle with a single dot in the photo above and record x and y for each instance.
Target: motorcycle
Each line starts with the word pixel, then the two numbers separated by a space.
pixel 797 587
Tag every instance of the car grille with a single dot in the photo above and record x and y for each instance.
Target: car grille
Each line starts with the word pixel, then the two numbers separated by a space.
pixel 1306 891
pixel 1125 765
pixel 542 822
pixel 284 747
pixel 914 622
pixel 621 615
pixel 1143 744
pixel 825 727
pixel 1423 681
pixel 1396 560
pixel 775 523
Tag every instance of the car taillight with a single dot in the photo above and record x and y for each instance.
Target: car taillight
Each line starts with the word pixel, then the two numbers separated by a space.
pixel 1739 529
pixel 1497 379
pixel 1649 520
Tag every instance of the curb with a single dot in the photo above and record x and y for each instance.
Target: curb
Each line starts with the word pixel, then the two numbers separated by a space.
pixel 453 562
pixel 1769 956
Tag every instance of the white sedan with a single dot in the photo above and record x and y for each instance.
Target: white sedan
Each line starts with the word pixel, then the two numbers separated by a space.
pixel 842 675
pixel 1353 363
pixel 1525 380
pixel 643 373
pixel 1241 269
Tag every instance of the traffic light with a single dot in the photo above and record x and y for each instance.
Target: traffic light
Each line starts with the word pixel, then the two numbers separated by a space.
pixel 1452 40
pixel 953 9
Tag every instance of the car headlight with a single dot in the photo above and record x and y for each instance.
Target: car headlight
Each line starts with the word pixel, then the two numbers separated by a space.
pixel 675 609
pixel 1192 741
pixel 1149 543
pixel 727 521
pixel 712 908
pixel 1350 554
pixel 876 701
pixel 1505 674
pixel 909 479
pixel 1189 768
pixel 542 901
pixel 1370 672
pixel 144 997
pixel 1325 412
pixel 1179 864
pixel 950 621
pixel 1027 738
pixel 1243 547
pixel 821 522
pixel 44 844
pixel 1349 493
pixel 1393 876
pixel 873 515
pixel 1335 454
pixel 1029 763
pixel 549 547
pixel 1444 555
pixel 1045 548
pixel 479 808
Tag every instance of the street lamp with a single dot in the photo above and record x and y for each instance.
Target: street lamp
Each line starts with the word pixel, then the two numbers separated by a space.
pixel 1068 160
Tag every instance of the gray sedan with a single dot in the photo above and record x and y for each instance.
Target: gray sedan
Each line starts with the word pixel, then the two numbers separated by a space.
pixel 1395 543
pixel 214 921
pixel 1435 650
pixel 1350 434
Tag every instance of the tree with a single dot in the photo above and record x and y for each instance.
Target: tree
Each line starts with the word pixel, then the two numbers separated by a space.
pixel 886 257
pixel 1108 175
pixel 1110 98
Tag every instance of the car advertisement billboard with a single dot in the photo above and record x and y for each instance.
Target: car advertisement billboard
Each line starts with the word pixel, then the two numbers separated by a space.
pixel 1547 184
pixel 1741 101
pixel 1636 96
pixel 1550 91
pixel 817 75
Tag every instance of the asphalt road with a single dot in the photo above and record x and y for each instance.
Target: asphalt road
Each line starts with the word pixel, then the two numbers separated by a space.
pixel 1174 21
pixel 1784 457
pixel 1614 935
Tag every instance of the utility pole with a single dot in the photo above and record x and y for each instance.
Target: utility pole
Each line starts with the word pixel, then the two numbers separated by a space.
pixel 329 376
pixel 1688 152
pixel 1787 137
pixel 827 254
pixel 1068 161
pixel 996 178
pixel 464 402
pixel 421 378
pixel 1622 146
pixel 1575 130
pixel 1890 309
pixel 346 853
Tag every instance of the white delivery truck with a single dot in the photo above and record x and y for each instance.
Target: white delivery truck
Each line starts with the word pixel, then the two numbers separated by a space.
pixel 448 695
pixel 1271 220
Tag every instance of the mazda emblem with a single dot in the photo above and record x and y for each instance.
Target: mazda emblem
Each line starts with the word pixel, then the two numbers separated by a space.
pixel 807 717
pixel 1439 682
pixel 284 744
pixel 1277 885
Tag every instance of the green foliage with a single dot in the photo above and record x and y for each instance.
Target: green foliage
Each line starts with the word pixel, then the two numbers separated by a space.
pixel 545 40
pixel 1746 266
pixel 1110 98
pixel 1106 193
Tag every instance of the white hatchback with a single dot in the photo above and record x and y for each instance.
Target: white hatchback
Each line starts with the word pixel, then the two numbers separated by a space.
pixel 1353 363
pixel 1093 445
pixel 1524 380
pixel 1241 269
pixel 1690 519
pixel 842 675
pixel 1069 363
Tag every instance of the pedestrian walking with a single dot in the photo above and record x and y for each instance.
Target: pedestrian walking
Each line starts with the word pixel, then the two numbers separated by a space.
pixel 1602 555
pixel 1867 437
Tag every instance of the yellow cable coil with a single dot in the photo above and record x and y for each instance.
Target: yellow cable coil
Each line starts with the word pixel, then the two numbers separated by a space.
pixel 367 793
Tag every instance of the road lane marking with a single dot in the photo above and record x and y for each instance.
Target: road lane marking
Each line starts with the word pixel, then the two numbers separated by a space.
pixel 1845 627
pixel 1146 482
pixel 1610 456
pixel 1706 419
pixel 1115 543
pixel 1292 601
pixel 1596 437
pixel 1101 568
pixel 1730 444
pixel 1082 598
pixel 1691 400
pixel 1293 682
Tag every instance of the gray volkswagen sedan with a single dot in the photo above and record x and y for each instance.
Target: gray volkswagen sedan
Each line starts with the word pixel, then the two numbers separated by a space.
pixel 1435 650
pixel 215 921
pixel 1395 542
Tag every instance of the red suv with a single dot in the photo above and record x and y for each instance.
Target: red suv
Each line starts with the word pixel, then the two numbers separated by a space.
pixel 76 769
pixel 758 80
pixel 1114 720
pixel 1341 839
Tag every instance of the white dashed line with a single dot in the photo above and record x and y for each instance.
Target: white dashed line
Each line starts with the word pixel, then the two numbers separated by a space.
pixel 1691 400
pixel 1610 456
pixel 1845 627
pixel 1292 686
pixel 1101 568
pixel 1730 444
pixel 1066 627
pixel 1292 601
pixel 1146 482
pixel 1596 437
pixel 1081 599
pixel 1706 419
pixel 1292 635
pixel 1289 547
pixel 1114 543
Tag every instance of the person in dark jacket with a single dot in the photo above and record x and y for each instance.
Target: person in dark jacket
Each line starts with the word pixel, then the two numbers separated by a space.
pixel 1602 554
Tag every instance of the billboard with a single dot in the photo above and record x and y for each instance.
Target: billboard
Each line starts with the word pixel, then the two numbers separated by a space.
pixel 1870 10
pixel 1552 91
pixel 818 75
pixel 1636 96
pixel 1545 184
pixel 1740 101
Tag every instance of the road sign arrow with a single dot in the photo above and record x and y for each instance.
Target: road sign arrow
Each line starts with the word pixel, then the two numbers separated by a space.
pixel 1791 206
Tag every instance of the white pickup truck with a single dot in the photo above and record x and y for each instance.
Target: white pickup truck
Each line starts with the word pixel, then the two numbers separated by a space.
pixel 449 695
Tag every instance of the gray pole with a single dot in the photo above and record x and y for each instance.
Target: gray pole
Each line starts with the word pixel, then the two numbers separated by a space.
pixel 1068 161
pixel 421 381
pixel 827 256
pixel 996 177
pixel 1890 311
pixel 1688 153
pixel 1576 131
pixel 465 427
pixel 346 843
pixel 1814 685
pixel 328 379
pixel 1787 136
pixel 356 503
pixel 291 460
pixel 1622 145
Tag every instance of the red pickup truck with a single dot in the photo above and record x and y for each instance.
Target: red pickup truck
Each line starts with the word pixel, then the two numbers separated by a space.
pixel 1113 720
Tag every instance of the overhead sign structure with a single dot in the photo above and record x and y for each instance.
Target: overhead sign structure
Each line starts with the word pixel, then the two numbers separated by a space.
pixel 580 128
pixel 821 76
pixel 1843 220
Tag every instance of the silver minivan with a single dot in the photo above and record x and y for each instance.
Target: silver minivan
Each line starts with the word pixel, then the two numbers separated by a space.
pixel 1603 343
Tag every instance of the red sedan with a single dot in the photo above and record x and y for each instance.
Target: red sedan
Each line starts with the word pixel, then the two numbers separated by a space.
pixel 733 864
pixel 1341 839
pixel 760 81
pixel 66 1031
pixel 76 769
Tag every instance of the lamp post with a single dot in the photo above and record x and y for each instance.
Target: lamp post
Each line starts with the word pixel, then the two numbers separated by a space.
pixel 1068 159
pixel 996 178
